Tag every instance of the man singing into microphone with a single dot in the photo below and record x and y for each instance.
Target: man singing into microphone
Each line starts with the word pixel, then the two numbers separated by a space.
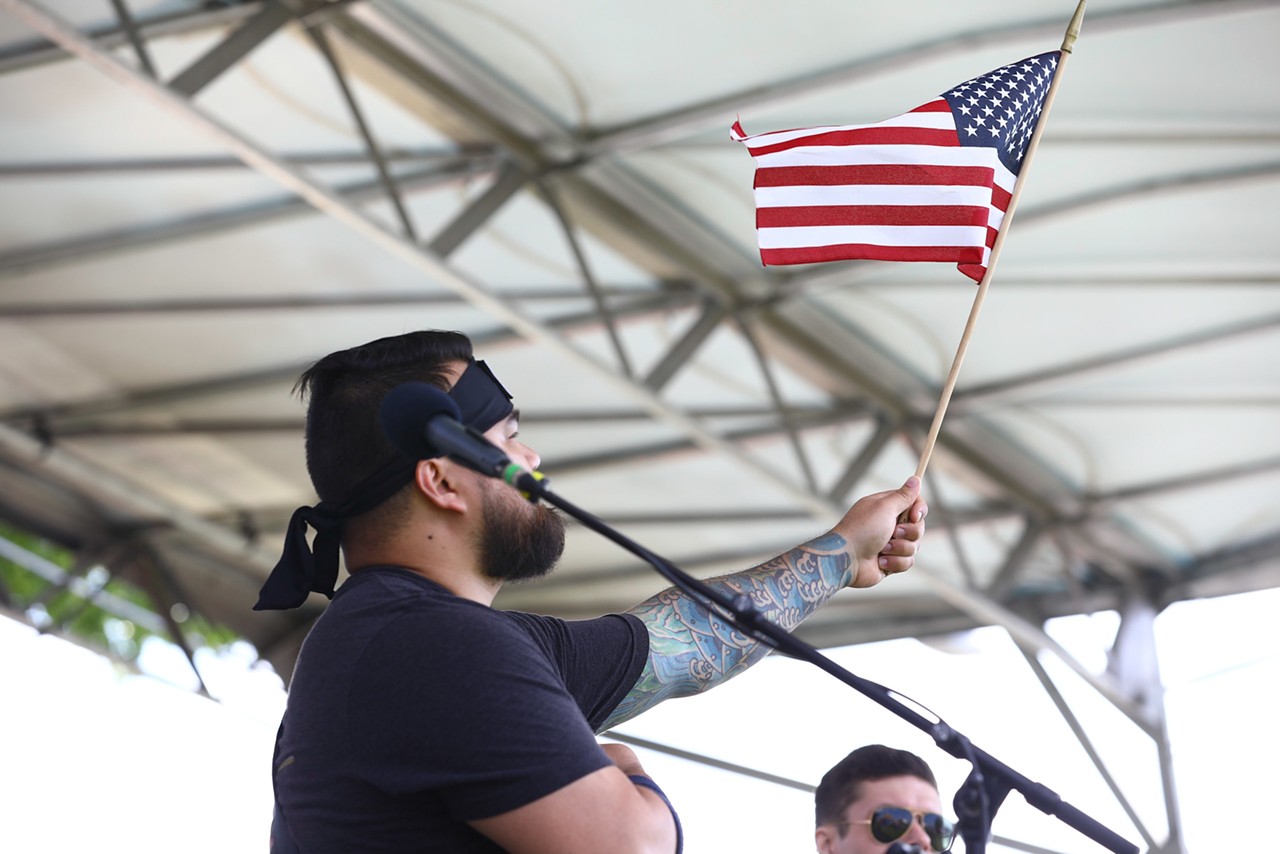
pixel 880 800
pixel 422 719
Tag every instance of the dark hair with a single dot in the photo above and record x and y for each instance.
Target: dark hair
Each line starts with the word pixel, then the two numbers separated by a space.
pixel 841 785
pixel 344 390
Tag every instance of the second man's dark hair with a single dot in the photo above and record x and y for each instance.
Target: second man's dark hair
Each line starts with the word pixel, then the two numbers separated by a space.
pixel 840 786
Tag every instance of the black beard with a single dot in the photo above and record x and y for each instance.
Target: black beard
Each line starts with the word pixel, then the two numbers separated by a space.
pixel 519 541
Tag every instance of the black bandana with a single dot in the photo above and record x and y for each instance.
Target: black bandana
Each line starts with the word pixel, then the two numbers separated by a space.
pixel 480 397
pixel 302 570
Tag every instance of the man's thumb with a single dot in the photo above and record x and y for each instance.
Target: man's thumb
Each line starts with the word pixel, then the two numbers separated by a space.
pixel 907 493
pixel 910 489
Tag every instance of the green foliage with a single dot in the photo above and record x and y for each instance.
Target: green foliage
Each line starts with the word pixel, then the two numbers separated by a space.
pixel 77 617
pixel 201 632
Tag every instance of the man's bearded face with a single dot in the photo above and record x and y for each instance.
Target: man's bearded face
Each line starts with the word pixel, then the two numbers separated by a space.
pixel 518 540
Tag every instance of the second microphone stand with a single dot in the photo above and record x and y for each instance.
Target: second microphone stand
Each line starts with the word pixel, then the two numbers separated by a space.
pixel 989 781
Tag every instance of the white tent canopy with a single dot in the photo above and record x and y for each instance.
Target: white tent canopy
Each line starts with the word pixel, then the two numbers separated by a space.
pixel 201 199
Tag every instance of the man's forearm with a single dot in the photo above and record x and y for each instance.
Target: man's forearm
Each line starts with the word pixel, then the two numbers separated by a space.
pixel 691 650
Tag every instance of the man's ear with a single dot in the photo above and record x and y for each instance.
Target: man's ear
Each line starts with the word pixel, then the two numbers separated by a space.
pixel 824 839
pixel 437 480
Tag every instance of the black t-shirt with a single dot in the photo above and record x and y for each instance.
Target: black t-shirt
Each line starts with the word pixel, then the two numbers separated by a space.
pixel 412 711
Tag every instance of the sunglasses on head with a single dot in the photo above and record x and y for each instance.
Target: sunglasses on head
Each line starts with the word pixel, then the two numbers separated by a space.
pixel 892 823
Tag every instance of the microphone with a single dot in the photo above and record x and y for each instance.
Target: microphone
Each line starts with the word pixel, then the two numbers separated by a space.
pixel 904 848
pixel 423 422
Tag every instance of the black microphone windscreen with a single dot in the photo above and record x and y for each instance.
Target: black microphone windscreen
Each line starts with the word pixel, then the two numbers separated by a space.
pixel 405 412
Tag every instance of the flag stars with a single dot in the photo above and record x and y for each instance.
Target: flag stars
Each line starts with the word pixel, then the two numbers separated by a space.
pixel 1001 108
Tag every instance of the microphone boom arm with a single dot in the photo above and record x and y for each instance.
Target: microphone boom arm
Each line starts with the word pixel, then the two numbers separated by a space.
pixel 990 780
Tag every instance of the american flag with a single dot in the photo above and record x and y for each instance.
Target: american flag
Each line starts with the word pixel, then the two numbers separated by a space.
pixel 929 185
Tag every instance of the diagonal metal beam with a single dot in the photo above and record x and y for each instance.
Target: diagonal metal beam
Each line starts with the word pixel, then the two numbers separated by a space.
pixel 988 393
pixel 1246 401
pixel 626 212
pixel 509 181
pixel 74 425
pixel 235 47
pixel 676 124
pixel 166 595
pixel 1006 576
pixel 1158 185
pixel 708 761
pixel 588 277
pixel 47 415
pixel 65 467
pixel 366 133
pixel 789 427
pixel 886 429
pixel 681 353
pixel 958 550
pixel 156 395
pixel 130 27
pixel 635 303
pixel 1026 633
pixel 1247 469
pixel 1028 482
pixel 752 412
pixel 1078 730
pixel 112 429
pixel 87 247
pixel 678 447
pixel 204 163
pixel 35 52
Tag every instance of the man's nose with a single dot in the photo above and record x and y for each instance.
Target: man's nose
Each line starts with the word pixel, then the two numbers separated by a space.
pixel 917 836
pixel 531 458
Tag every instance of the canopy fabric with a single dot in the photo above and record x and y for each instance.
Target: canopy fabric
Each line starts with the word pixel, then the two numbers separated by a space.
pixel 202 199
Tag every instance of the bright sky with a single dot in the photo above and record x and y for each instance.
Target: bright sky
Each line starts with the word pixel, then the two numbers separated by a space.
pixel 100 759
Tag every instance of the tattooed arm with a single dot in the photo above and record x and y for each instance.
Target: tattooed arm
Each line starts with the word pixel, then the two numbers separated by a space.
pixel 691 650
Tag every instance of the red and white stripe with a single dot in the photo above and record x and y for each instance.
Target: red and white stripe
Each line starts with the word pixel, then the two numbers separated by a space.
pixel 901 190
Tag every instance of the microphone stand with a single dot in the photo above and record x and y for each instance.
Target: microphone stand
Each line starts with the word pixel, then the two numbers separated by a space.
pixel 990 780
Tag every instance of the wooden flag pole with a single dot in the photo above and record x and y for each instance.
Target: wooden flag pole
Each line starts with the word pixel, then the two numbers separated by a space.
pixel 1068 43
